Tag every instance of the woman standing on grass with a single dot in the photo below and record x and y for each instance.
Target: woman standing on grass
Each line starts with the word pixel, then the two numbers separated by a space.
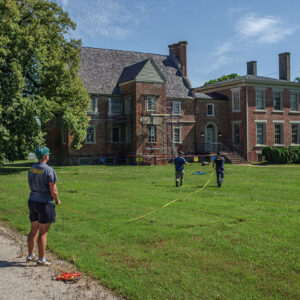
pixel 42 183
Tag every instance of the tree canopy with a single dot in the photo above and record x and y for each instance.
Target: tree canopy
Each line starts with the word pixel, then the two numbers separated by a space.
pixel 38 76
pixel 222 78
pixel 297 79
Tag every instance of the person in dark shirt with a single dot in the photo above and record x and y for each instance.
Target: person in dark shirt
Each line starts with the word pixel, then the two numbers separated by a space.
pixel 179 163
pixel 218 164
pixel 42 183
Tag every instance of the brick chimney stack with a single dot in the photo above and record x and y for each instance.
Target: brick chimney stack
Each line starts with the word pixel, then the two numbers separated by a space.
pixel 178 50
pixel 284 66
pixel 252 67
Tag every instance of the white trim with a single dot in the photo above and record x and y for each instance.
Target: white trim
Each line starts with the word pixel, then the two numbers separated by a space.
pixel 179 103
pixel 235 89
pixel 260 146
pixel 260 121
pixel 296 112
pixel 260 89
pixel 278 121
pixel 260 110
pixel 294 122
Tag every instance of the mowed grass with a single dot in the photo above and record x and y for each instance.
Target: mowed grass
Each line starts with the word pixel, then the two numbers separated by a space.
pixel 241 241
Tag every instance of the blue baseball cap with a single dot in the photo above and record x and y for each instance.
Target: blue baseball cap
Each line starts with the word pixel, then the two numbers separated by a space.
pixel 41 151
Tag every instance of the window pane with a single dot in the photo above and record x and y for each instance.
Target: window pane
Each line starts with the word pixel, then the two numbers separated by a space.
pixel 151 134
pixel 260 100
pixel 236 100
pixel 177 138
pixel 176 107
pixel 260 134
pixel 127 106
pixel 294 102
pixel 151 104
pixel 115 134
pixel 236 130
pixel 295 134
pixel 278 133
pixel 90 136
pixel 277 101
pixel 210 110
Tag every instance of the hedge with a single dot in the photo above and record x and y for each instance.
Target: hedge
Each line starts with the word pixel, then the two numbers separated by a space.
pixel 282 155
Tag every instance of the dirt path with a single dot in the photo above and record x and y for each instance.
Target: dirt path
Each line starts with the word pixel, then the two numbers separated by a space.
pixel 21 280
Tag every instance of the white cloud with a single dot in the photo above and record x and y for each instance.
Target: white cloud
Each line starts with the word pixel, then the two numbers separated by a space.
pixel 107 18
pixel 268 29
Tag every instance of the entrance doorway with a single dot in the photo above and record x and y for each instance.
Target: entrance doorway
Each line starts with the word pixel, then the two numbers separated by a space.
pixel 211 138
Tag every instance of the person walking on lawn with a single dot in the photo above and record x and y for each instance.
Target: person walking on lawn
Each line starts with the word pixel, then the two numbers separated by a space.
pixel 179 168
pixel 218 164
pixel 42 183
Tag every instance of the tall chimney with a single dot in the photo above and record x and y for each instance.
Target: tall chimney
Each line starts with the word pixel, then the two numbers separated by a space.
pixel 178 51
pixel 252 67
pixel 284 66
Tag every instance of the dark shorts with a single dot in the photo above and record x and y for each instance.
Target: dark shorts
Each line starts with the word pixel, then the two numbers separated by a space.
pixel 44 213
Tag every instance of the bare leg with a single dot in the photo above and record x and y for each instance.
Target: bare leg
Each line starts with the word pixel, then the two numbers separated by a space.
pixel 42 240
pixel 32 237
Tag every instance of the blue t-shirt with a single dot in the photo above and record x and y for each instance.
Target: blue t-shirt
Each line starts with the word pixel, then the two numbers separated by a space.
pixel 39 176
pixel 179 163
pixel 219 161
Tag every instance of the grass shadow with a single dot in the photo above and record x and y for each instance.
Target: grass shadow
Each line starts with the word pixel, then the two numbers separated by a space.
pixel 14 168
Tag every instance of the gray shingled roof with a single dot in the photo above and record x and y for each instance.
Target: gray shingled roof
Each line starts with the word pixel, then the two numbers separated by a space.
pixel 101 69
pixel 211 96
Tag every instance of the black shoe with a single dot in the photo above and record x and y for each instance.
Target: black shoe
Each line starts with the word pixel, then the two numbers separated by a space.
pixel 219 184
pixel 176 184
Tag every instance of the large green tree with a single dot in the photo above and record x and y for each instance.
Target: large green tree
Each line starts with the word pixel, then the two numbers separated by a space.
pixel 222 78
pixel 38 76
pixel 297 79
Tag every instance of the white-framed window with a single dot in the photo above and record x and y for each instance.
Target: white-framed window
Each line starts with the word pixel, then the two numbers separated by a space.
pixel 210 109
pixel 127 106
pixel 64 137
pixel 176 107
pixel 114 107
pixel 277 100
pixel 176 135
pixel 278 133
pixel 115 134
pixel 151 103
pixel 294 102
pixel 90 135
pixel 128 134
pixel 151 134
pixel 260 103
pixel 93 105
pixel 295 134
pixel 236 105
pixel 261 133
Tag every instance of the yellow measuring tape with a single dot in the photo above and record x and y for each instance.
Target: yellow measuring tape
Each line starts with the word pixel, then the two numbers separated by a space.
pixel 173 201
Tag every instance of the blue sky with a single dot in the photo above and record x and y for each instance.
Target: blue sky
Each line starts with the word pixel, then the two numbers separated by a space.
pixel 222 35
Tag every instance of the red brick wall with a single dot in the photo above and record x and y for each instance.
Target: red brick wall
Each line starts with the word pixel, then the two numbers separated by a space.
pixel 269 115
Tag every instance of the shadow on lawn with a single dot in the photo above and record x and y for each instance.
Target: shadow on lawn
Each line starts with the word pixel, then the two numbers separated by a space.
pixel 14 168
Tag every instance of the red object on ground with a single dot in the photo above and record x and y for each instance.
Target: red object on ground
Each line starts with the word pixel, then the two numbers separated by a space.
pixel 69 276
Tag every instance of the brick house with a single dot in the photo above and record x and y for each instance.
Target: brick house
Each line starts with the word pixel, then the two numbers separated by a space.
pixel 247 113
pixel 142 106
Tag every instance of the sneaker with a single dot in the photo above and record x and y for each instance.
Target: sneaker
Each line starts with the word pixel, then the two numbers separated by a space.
pixel 43 262
pixel 30 258
pixel 219 184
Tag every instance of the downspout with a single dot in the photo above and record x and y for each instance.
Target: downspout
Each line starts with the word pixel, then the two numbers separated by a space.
pixel 195 114
pixel 247 139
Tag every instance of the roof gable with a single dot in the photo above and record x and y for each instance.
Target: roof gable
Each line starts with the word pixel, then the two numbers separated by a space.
pixel 101 71
pixel 150 73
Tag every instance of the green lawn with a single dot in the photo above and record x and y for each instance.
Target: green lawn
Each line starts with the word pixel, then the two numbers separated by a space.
pixel 241 241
